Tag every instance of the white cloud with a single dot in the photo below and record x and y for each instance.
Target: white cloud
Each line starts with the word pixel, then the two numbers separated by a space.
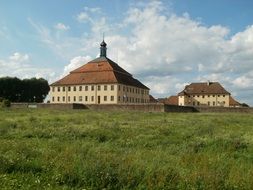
pixel 83 17
pixel 164 50
pixel 61 26
pixel 18 65
pixel 75 63
pixel 18 57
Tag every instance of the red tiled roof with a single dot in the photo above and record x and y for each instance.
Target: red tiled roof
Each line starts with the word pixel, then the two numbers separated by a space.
pixel 172 100
pixel 152 99
pixel 100 70
pixel 203 88
pixel 233 102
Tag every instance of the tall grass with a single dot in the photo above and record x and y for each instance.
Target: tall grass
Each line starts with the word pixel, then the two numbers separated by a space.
pixel 52 149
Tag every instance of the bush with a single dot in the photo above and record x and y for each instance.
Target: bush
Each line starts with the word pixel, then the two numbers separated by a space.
pixel 5 103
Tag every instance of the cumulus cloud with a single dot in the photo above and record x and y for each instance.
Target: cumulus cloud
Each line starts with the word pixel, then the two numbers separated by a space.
pixel 18 65
pixel 165 50
pixel 75 63
pixel 61 26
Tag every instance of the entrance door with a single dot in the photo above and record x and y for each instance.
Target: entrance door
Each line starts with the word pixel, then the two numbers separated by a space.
pixel 98 99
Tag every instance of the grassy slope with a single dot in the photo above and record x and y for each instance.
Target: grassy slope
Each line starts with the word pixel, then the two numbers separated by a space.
pixel 50 149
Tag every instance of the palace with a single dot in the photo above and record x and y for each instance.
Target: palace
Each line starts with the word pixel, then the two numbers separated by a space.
pixel 100 81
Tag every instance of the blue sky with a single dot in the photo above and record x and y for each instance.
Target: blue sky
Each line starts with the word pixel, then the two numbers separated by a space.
pixel 165 44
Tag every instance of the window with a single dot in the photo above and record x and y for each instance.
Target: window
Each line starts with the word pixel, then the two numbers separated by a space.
pixel 86 88
pixel 92 98
pixel 59 89
pixel 124 88
pixel 52 99
pixel 193 96
pixel 68 98
pixel 69 88
pixel 105 98
pixel 119 87
pixel 63 98
pixel 127 89
pixel 198 103
pixel 193 103
pixel 119 98
pixel 189 96
pixel 203 96
pixel 80 98
pixel 74 88
pixel 224 95
pixel 92 88
pixel 105 87
pixel 53 89
pixel 136 90
pixel 63 89
pixel 86 98
pixel 208 103
pixel 112 98
pixel 213 103
pixel 80 88
pixel 74 98
pixel 99 87
pixel 112 87
pixel 58 98
pixel 208 96
pixel 198 96
pixel 218 95
pixel 130 89
pixel 213 95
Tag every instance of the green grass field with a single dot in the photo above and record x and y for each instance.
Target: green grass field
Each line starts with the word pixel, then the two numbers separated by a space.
pixel 52 149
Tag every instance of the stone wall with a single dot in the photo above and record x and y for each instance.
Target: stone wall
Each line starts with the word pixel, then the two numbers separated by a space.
pixel 151 107
pixel 50 106
pixel 156 107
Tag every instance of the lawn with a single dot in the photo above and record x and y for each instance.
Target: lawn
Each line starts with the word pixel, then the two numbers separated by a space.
pixel 82 149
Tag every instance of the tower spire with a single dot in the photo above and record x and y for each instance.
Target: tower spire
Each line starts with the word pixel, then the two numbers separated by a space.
pixel 103 48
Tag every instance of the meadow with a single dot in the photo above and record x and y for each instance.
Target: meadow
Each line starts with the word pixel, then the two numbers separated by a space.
pixel 83 149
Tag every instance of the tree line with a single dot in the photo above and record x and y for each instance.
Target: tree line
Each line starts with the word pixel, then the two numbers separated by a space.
pixel 26 90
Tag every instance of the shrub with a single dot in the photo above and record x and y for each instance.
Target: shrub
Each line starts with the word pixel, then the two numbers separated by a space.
pixel 5 103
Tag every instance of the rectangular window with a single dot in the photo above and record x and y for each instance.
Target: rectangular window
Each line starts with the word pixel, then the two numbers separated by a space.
pixel 63 98
pixel 203 96
pixel 59 89
pixel 198 96
pixel 123 88
pixel 53 89
pixel 213 103
pixel 213 95
pixel 63 89
pixel 218 95
pixel 112 98
pixel 98 87
pixel 198 103
pixel 68 98
pixel 193 103
pixel 80 98
pixel 86 98
pixel 52 99
pixel 58 98
pixel 105 98
pixel 208 103
pixel 92 98
pixel 127 88
pixel 130 90
pixel 193 96
pixel 80 88
pixel 74 98
pixel 86 88
pixel 105 87
pixel 92 88
pixel 224 95
pixel 69 88
pixel 74 88
pixel 119 87
pixel 112 87
pixel 208 96
pixel 119 98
